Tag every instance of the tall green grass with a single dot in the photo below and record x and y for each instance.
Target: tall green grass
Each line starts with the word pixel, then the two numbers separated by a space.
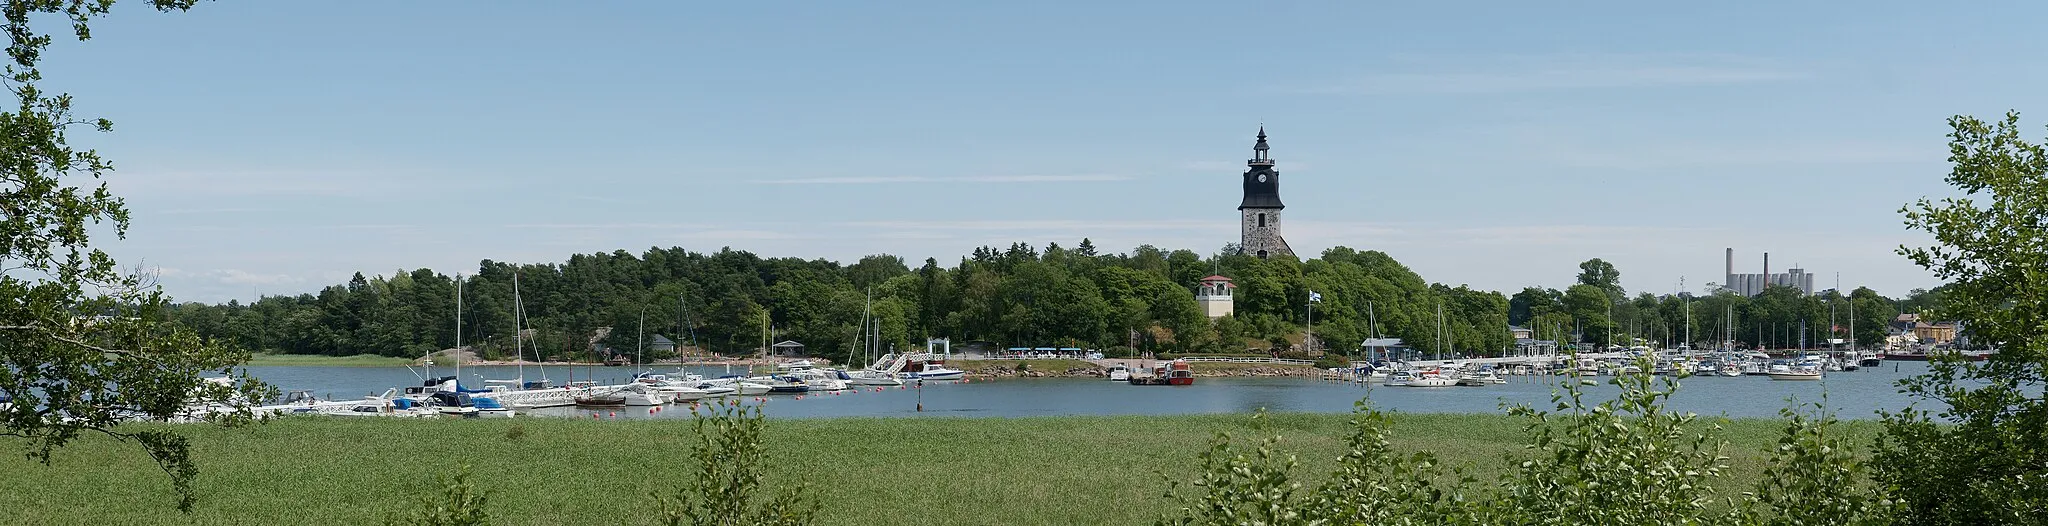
pixel 1049 470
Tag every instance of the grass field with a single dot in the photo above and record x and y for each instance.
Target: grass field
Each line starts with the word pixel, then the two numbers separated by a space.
pixel 1050 470
pixel 317 360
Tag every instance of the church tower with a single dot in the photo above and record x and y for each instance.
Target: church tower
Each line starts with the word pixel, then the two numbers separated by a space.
pixel 1260 210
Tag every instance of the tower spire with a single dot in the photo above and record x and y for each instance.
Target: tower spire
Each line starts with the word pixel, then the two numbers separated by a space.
pixel 1259 149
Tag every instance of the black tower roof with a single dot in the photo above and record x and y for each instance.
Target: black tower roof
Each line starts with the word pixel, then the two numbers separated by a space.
pixel 1258 193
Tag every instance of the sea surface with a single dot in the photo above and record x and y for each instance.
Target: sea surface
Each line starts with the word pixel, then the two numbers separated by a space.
pixel 1850 394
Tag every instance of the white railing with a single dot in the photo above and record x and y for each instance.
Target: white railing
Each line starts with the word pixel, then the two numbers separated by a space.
pixel 1232 359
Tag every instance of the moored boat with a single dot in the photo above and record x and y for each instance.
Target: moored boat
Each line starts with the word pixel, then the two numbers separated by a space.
pixel 605 399
pixel 1798 371
pixel 1180 373
pixel 935 372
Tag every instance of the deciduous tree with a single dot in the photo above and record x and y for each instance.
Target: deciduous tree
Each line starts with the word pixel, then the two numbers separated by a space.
pixel 1986 460
pixel 83 345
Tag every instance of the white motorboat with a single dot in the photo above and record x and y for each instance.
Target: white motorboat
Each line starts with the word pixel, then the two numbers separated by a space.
pixel 1432 381
pixel 490 408
pixel 673 390
pixel 823 380
pixel 1424 379
pixel 739 385
pixel 1798 371
pixel 388 404
pixel 639 394
pixel 782 384
pixel 871 377
pixel 681 393
pixel 1480 379
pixel 937 373
pixel 1119 373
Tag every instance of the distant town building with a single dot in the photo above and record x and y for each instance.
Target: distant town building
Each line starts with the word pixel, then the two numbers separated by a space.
pixel 1214 296
pixel 1909 329
pixel 1259 212
pixel 1521 333
pixel 1754 284
pixel 661 344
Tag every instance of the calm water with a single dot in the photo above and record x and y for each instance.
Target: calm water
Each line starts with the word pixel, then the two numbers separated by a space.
pixel 1857 394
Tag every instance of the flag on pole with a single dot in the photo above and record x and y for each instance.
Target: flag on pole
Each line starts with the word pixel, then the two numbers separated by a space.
pixel 1314 296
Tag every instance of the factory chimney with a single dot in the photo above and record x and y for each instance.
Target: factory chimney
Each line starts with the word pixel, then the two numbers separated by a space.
pixel 1767 273
pixel 1730 282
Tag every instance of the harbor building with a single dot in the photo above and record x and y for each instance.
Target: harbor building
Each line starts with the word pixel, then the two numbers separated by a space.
pixel 1259 212
pixel 1214 297
pixel 1754 284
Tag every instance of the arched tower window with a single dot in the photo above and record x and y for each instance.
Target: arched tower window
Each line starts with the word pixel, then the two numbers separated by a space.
pixel 1262 219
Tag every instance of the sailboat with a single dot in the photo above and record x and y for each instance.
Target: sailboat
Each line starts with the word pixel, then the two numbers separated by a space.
pixel 459 402
pixel 519 392
pixel 876 372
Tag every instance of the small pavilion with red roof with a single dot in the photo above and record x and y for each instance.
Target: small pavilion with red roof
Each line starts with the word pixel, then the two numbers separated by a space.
pixel 1214 296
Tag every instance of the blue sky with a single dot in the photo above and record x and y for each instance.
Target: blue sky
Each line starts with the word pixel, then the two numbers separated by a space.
pixel 277 147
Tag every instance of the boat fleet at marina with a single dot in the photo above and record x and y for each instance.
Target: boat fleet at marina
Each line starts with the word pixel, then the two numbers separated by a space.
pixel 445 396
pixel 1804 366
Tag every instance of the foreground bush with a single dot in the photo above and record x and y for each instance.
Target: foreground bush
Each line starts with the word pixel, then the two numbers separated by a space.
pixel 726 488
pixel 1629 460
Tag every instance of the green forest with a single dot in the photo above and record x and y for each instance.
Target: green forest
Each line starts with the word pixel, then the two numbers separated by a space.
pixel 728 302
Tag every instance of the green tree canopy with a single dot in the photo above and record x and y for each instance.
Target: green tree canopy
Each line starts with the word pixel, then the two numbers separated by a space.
pixel 1986 462
pixel 83 346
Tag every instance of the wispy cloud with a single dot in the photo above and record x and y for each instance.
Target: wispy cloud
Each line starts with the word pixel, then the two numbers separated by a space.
pixel 1462 75
pixel 1239 166
pixel 1046 225
pixel 608 226
pixel 238 182
pixel 735 234
pixel 973 179
pixel 242 277
pixel 1640 156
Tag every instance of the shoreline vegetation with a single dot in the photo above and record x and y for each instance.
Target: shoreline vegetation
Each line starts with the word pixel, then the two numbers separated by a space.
pixel 1039 470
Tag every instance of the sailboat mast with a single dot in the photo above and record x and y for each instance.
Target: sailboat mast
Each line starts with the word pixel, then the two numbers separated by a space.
pixel 458 331
pixel 1374 321
pixel 1688 311
pixel 1439 331
pixel 519 331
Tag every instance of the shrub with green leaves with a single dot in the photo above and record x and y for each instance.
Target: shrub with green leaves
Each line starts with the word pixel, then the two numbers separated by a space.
pixel 1624 461
pixel 457 504
pixel 728 488
pixel 1375 485
pixel 1241 486
pixel 1813 478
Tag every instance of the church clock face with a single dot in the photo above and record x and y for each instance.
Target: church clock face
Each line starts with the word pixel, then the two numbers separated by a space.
pixel 1262 177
